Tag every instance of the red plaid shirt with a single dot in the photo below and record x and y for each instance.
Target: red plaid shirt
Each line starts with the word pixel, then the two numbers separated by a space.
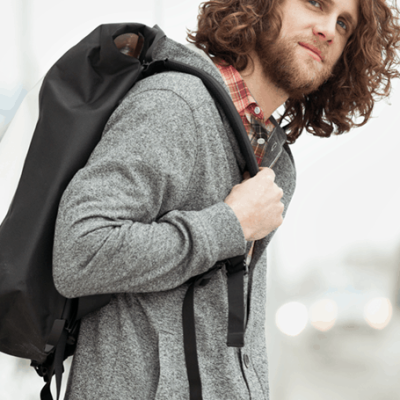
pixel 258 128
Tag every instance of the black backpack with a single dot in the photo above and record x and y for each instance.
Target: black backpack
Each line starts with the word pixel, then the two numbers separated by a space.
pixel 77 97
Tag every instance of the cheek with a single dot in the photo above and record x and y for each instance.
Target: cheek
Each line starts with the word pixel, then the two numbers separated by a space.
pixel 292 21
pixel 336 52
pixel 285 31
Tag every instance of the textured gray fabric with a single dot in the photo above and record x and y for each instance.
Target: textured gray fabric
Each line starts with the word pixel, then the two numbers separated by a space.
pixel 144 216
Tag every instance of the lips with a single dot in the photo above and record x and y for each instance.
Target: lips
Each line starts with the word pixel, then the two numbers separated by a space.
pixel 313 49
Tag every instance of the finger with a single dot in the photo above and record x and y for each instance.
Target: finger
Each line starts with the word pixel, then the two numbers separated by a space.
pixel 268 172
pixel 272 172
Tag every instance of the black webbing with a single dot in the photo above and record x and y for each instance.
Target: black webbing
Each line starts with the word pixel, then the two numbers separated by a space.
pixel 189 342
pixel 235 266
pixel 189 332
pixel 56 368
pixel 223 99
pixel 45 393
pixel 235 269
pixel 58 361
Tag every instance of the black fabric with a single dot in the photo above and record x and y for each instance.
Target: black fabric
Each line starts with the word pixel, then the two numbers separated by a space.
pixel 190 346
pixel 189 331
pixel 58 361
pixel 235 268
pixel 223 99
pixel 77 97
pixel 236 320
pixel 45 393
pixel 56 368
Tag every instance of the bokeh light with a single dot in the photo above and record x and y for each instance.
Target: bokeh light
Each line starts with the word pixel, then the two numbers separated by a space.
pixel 323 314
pixel 378 312
pixel 291 318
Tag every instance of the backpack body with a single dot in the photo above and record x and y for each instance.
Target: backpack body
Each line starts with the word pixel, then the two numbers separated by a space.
pixel 77 97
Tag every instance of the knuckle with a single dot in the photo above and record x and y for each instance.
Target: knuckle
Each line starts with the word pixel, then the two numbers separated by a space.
pixel 272 173
pixel 279 218
pixel 279 209
pixel 268 172
pixel 278 191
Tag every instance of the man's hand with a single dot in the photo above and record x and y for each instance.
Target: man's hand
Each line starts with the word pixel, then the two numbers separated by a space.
pixel 257 204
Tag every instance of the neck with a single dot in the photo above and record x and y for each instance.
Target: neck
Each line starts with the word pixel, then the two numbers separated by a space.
pixel 267 95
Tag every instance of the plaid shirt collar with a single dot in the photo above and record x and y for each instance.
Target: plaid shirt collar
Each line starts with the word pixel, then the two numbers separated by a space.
pixel 258 129
pixel 241 96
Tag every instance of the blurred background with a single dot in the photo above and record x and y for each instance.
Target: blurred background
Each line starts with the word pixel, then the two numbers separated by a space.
pixel 333 271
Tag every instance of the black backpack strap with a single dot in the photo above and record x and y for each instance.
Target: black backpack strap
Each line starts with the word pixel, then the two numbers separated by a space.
pixel 189 332
pixel 58 347
pixel 56 368
pixel 190 345
pixel 223 99
pixel 235 268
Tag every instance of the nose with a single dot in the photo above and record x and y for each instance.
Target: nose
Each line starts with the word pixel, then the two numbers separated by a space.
pixel 325 30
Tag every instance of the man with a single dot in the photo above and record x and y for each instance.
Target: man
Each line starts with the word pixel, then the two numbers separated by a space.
pixel 162 198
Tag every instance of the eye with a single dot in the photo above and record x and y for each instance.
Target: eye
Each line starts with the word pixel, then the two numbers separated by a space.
pixel 343 25
pixel 316 4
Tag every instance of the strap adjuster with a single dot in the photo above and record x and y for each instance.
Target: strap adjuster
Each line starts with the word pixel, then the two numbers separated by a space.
pixel 235 264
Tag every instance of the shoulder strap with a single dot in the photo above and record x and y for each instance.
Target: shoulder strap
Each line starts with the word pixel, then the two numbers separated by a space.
pixel 235 267
pixel 223 99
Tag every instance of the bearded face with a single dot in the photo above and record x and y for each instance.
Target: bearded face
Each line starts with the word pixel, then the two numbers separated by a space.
pixel 295 73
pixel 311 41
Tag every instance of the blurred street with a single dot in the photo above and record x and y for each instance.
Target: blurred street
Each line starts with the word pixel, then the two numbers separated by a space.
pixel 351 360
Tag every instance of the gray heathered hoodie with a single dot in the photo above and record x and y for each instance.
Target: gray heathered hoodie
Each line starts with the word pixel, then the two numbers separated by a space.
pixel 144 216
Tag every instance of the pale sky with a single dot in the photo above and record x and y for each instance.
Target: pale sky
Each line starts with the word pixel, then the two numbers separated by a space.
pixel 347 188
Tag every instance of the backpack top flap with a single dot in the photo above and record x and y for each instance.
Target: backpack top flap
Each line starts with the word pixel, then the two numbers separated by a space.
pixel 77 97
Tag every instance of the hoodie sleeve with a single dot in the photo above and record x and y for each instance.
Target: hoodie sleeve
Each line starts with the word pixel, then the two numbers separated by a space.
pixel 121 225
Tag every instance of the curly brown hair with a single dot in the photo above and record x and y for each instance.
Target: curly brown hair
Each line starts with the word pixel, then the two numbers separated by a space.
pixel 228 30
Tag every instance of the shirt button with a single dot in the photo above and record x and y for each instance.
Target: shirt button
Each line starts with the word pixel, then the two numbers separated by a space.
pixel 246 360
pixel 257 110
pixel 261 141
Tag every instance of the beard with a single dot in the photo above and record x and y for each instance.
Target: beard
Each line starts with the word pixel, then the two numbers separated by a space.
pixel 296 77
